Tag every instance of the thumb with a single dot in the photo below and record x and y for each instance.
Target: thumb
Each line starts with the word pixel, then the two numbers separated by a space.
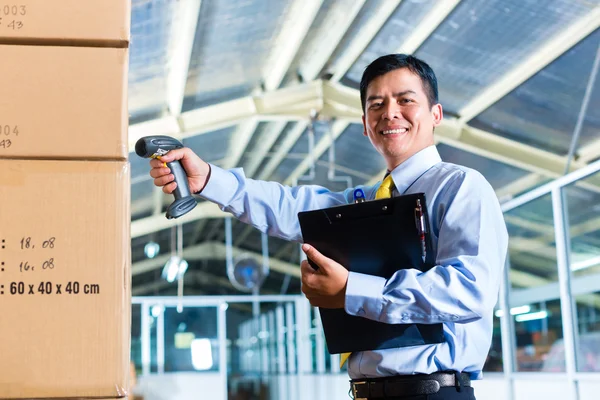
pixel 312 253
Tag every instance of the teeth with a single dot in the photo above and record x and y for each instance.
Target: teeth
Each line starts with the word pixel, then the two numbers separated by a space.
pixel 392 131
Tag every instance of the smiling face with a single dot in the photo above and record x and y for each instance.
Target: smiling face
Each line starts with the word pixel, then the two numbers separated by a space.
pixel 398 119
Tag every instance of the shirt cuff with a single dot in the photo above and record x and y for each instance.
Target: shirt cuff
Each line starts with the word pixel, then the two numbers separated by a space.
pixel 220 187
pixel 364 295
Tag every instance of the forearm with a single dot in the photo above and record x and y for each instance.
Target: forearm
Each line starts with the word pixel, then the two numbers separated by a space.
pixel 442 294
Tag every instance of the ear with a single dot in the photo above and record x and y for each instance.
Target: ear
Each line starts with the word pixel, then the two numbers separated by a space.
pixel 364 126
pixel 437 114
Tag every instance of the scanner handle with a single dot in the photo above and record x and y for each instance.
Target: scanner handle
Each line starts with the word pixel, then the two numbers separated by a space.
pixel 183 189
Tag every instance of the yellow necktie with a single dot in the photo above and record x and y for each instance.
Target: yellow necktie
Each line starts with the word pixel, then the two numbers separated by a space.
pixel 384 192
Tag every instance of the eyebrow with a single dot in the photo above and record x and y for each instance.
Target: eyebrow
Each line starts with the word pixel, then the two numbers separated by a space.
pixel 399 94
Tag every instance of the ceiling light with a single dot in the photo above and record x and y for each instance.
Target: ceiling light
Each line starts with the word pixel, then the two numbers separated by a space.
pixel 514 311
pixel 531 316
pixel 151 249
pixel 174 269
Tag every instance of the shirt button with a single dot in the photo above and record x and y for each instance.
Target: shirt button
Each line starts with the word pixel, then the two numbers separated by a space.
pixel 361 311
pixel 455 317
pixel 404 317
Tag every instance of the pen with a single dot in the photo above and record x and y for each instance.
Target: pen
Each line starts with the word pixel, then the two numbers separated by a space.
pixel 421 228
pixel 359 196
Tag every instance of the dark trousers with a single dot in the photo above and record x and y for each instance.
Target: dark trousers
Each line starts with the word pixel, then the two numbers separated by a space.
pixel 445 393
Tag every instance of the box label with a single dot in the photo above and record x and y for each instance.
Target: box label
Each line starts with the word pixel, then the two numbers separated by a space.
pixel 12 16
pixel 8 135
pixel 37 258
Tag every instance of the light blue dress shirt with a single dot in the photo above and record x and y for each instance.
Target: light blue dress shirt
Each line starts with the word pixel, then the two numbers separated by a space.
pixel 469 238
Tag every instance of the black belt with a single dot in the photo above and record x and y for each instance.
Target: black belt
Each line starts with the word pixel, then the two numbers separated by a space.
pixel 406 385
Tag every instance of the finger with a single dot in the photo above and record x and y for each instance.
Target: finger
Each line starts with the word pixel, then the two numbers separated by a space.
pixel 157 172
pixel 304 289
pixel 306 269
pixel 168 189
pixel 314 255
pixel 309 292
pixel 154 163
pixel 163 180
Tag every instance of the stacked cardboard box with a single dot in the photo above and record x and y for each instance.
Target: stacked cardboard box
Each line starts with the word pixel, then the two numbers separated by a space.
pixel 64 199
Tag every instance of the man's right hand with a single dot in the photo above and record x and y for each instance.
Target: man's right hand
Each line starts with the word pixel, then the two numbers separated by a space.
pixel 196 169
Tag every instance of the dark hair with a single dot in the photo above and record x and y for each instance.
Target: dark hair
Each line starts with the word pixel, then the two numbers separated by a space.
pixel 391 62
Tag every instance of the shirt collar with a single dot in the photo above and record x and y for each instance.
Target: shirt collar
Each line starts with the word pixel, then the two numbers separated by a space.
pixel 405 174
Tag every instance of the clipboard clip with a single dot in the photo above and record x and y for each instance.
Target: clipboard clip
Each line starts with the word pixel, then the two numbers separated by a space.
pixel 421 229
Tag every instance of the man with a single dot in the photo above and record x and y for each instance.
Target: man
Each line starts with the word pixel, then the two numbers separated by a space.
pixel 400 105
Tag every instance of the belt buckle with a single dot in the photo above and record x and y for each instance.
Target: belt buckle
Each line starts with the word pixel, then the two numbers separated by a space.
pixel 355 392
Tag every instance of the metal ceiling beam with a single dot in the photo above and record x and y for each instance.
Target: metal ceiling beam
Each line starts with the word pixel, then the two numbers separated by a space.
pixel 520 185
pixel 589 152
pixel 464 137
pixel 239 140
pixel 239 239
pixel 319 51
pixel 287 144
pixel 198 230
pixel 553 49
pixel 336 100
pixel 145 226
pixel 540 289
pixel 183 32
pixel 191 276
pixel 237 145
pixel 300 17
pixel 213 251
pixel 548 52
pixel 362 39
pixel 289 104
pixel 263 144
pixel 427 26
pixel 336 130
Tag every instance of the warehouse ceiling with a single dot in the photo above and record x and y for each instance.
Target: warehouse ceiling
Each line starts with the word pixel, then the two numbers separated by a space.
pixel 259 84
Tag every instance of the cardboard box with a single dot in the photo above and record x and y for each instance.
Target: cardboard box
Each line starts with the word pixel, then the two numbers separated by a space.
pixel 63 102
pixel 65 279
pixel 89 20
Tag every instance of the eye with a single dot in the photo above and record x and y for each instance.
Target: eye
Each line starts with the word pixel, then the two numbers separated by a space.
pixel 405 100
pixel 375 105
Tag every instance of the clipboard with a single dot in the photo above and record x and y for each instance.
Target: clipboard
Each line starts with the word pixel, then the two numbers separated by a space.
pixel 376 237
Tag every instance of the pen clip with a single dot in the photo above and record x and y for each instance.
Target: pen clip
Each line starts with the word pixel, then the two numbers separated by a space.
pixel 359 196
pixel 419 220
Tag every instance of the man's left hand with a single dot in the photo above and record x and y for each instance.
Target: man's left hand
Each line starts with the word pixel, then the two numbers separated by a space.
pixel 325 287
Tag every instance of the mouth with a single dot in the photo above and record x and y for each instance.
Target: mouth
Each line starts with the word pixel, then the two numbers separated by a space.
pixel 393 131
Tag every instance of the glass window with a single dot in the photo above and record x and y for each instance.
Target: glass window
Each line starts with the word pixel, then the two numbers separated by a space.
pixel 582 200
pixel 541 333
pixel 155 313
pixel 191 340
pixel 588 321
pixel 136 337
pixel 535 304
pixel 493 362
pixel 259 347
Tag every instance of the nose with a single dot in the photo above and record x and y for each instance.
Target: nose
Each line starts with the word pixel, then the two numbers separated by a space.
pixel 391 110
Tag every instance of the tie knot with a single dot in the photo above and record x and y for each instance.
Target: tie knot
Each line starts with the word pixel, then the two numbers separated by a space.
pixel 388 182
pixel 385 189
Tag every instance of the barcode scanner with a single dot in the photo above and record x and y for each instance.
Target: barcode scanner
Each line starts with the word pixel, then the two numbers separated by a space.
pixel 157 146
